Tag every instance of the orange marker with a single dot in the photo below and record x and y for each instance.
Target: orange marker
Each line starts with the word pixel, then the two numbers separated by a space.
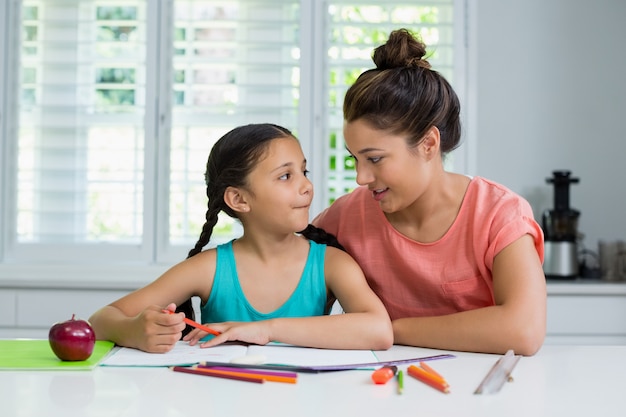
pixel 195 324
pixel 384 374
pixel 429 379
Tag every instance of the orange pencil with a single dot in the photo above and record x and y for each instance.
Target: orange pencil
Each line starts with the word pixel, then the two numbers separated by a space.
pixel 429 379
pixel 196 324
pixel 198 372
pixel 244 374
pixel 434 376
pixel 431 370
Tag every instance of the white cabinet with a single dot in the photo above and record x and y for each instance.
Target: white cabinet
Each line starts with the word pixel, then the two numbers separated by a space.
pixel 586 312
pixel 27 312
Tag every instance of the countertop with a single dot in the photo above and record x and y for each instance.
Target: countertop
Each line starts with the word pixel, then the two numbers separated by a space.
pixel 557 381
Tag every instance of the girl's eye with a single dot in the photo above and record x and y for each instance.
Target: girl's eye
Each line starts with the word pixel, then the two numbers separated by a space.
pixel 284 177
pixel 306 172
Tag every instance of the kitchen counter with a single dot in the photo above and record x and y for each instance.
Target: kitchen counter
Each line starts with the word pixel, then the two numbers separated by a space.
pixel 581 286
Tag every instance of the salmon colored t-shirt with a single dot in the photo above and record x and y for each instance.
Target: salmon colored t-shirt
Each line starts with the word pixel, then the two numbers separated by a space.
pixel 427 279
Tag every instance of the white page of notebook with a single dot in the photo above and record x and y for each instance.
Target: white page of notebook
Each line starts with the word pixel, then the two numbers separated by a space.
pixel 183 354
pixel 301 356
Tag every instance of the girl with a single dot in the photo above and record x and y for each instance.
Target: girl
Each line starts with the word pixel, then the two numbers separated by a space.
pixel 272 284
pixel 456 260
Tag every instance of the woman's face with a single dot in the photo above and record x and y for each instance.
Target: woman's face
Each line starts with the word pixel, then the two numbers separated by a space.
pixel 395 174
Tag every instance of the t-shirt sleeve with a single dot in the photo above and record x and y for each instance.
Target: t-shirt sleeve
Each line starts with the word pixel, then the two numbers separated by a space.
pixel 513 219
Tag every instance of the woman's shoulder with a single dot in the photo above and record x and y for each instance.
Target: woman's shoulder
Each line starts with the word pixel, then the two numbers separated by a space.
pixel 483 190
pixel 492 205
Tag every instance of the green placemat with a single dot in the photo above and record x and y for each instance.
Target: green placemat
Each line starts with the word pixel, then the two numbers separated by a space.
pixel 31 354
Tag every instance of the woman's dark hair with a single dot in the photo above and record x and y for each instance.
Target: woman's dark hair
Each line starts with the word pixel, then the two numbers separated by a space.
pixel 231 160
pixel 403 95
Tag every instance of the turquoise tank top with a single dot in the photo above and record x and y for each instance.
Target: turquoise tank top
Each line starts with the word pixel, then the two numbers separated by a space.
pixel 227 301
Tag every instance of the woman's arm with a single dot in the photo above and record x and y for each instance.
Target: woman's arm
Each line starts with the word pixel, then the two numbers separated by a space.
pixel 365 324
pixel 517 321
pixel 137 320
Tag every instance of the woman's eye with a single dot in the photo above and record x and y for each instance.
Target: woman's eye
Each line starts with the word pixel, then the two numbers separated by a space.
pixel 284 177
pixel 306 172
pixel 375 159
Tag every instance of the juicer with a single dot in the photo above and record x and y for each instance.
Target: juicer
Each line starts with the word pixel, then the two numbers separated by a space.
pixel 560 230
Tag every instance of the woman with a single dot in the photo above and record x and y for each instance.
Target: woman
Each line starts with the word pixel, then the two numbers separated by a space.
pixel 456 260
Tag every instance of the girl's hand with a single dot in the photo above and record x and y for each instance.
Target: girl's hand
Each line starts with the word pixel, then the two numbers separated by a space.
pixel 158 332
pixel 257 332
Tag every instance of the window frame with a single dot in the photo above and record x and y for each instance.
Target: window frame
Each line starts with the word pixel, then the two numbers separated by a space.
pixel 156 253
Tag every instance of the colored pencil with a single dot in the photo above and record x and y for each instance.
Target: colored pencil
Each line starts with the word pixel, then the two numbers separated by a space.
pixel 195 371
pixel 429 379
pixel 244 373
pixel 249 371
pixel 431 370
pixel 400 376
pixel 196 324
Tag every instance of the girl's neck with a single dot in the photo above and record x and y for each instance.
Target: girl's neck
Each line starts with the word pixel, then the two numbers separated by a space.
pixel 268 247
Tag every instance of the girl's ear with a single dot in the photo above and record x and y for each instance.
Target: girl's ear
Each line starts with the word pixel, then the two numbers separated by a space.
pixel 236 200
pixel 431 142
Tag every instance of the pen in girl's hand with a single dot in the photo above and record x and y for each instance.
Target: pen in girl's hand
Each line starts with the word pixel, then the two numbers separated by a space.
pixel 195 324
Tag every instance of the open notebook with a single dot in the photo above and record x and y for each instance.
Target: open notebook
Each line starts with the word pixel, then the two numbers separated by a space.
pixel 273 355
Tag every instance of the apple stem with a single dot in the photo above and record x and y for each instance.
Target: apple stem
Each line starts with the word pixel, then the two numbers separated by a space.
pixel 73 315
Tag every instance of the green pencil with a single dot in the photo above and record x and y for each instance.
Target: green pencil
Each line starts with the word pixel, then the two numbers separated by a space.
pixel 400 377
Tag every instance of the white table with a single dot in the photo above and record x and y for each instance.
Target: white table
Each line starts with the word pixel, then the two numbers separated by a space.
pixel 558 381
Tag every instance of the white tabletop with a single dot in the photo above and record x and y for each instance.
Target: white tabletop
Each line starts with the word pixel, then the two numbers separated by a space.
pixel 558 381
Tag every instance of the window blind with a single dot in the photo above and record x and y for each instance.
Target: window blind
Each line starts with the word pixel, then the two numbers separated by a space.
pixel 111 108
pixel 80 138
pixel 234 63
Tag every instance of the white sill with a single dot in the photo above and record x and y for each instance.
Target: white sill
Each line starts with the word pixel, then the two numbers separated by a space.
pixel 97 276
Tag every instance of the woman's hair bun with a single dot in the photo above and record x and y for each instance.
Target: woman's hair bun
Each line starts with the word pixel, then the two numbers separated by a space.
pixel 402 49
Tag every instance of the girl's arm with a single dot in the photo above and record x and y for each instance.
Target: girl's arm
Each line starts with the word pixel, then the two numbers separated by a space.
pixel 517 321
pixel 365 324
pixel 137 320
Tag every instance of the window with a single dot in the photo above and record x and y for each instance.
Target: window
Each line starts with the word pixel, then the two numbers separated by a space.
pixel 110 109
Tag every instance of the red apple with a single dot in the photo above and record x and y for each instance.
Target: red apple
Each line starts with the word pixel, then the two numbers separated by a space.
pixel 72 340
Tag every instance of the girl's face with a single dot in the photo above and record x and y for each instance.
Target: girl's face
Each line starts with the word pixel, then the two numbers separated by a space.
pixel 281 193
pixel 395 174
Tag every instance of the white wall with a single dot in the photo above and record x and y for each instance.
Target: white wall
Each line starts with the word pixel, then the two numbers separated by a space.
pixel 551 94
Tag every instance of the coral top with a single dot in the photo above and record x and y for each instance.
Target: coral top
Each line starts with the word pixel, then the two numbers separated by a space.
pixel 453 274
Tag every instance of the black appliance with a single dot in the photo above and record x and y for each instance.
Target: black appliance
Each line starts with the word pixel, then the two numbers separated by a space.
pixel 560 228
